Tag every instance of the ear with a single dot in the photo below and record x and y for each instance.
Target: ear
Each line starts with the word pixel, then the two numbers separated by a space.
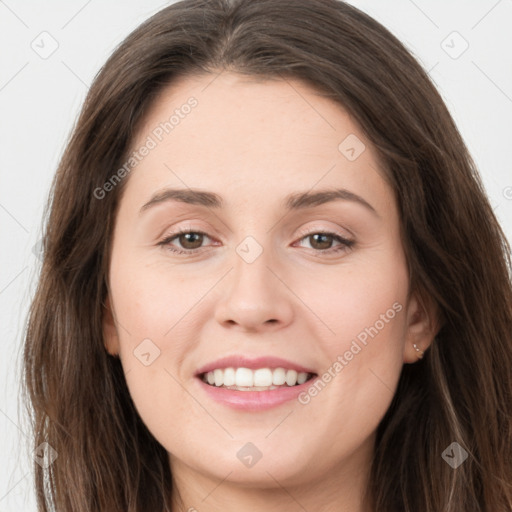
pixel 110 334
pixel 423 323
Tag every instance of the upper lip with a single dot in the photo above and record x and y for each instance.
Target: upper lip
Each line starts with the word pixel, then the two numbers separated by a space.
pixel 240 361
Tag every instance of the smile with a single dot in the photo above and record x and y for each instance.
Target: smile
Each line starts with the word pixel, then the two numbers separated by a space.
pixel 253 384
pixel 261 379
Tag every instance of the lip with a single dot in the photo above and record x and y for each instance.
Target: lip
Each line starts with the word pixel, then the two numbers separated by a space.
pixel 240 361
pixel 254 400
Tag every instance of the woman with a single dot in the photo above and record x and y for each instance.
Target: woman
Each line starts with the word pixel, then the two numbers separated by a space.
pixel 339 334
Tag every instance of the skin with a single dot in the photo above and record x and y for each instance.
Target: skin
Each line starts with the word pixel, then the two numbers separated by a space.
pixel 253 142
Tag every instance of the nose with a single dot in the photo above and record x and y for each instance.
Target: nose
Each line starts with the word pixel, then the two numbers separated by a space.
pixel 254 297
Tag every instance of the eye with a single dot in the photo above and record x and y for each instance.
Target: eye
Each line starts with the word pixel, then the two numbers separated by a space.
pixel 320 241
pixel 190 240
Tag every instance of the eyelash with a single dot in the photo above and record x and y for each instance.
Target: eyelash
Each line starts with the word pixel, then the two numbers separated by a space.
pixel 346 244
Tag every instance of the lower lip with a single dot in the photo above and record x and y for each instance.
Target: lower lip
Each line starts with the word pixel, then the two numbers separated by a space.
pixel 254 400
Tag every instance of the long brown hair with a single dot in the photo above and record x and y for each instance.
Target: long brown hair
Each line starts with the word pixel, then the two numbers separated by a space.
pixel 457 255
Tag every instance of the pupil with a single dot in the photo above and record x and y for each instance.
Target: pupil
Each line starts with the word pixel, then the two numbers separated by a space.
pixel 325 245
pixel 186 236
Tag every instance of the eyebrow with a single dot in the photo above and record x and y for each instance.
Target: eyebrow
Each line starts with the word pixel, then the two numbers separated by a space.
pixel 294 201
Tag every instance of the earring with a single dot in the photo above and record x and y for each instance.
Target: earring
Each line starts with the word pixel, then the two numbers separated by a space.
pixel 420 352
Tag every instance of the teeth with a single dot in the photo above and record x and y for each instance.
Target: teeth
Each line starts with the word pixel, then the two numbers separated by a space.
pixel 302 377
pixel 263 377
pixel 260 379
pixel 243 377
pixel 291 377
pixel 229 377
pixel 279 376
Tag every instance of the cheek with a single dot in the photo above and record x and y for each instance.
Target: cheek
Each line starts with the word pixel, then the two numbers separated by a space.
pixel 152 318
pixel 365 303
pixel 364 356
pixel 364 308
pixel 150 300
pixel 155 313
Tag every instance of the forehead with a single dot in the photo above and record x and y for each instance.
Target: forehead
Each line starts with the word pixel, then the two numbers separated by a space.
pixel 233 108
pixel 245 134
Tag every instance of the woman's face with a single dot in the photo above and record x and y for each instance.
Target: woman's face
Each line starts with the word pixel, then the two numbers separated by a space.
pixel 254 163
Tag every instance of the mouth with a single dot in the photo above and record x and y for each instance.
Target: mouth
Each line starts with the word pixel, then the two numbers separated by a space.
pixel 260 379
pixel 253 384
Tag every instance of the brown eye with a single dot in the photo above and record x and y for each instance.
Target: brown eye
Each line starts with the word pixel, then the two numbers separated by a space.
pixel 190 240
pixel 322 241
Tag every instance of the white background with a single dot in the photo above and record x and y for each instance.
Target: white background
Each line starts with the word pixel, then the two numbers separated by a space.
pixel 40 98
